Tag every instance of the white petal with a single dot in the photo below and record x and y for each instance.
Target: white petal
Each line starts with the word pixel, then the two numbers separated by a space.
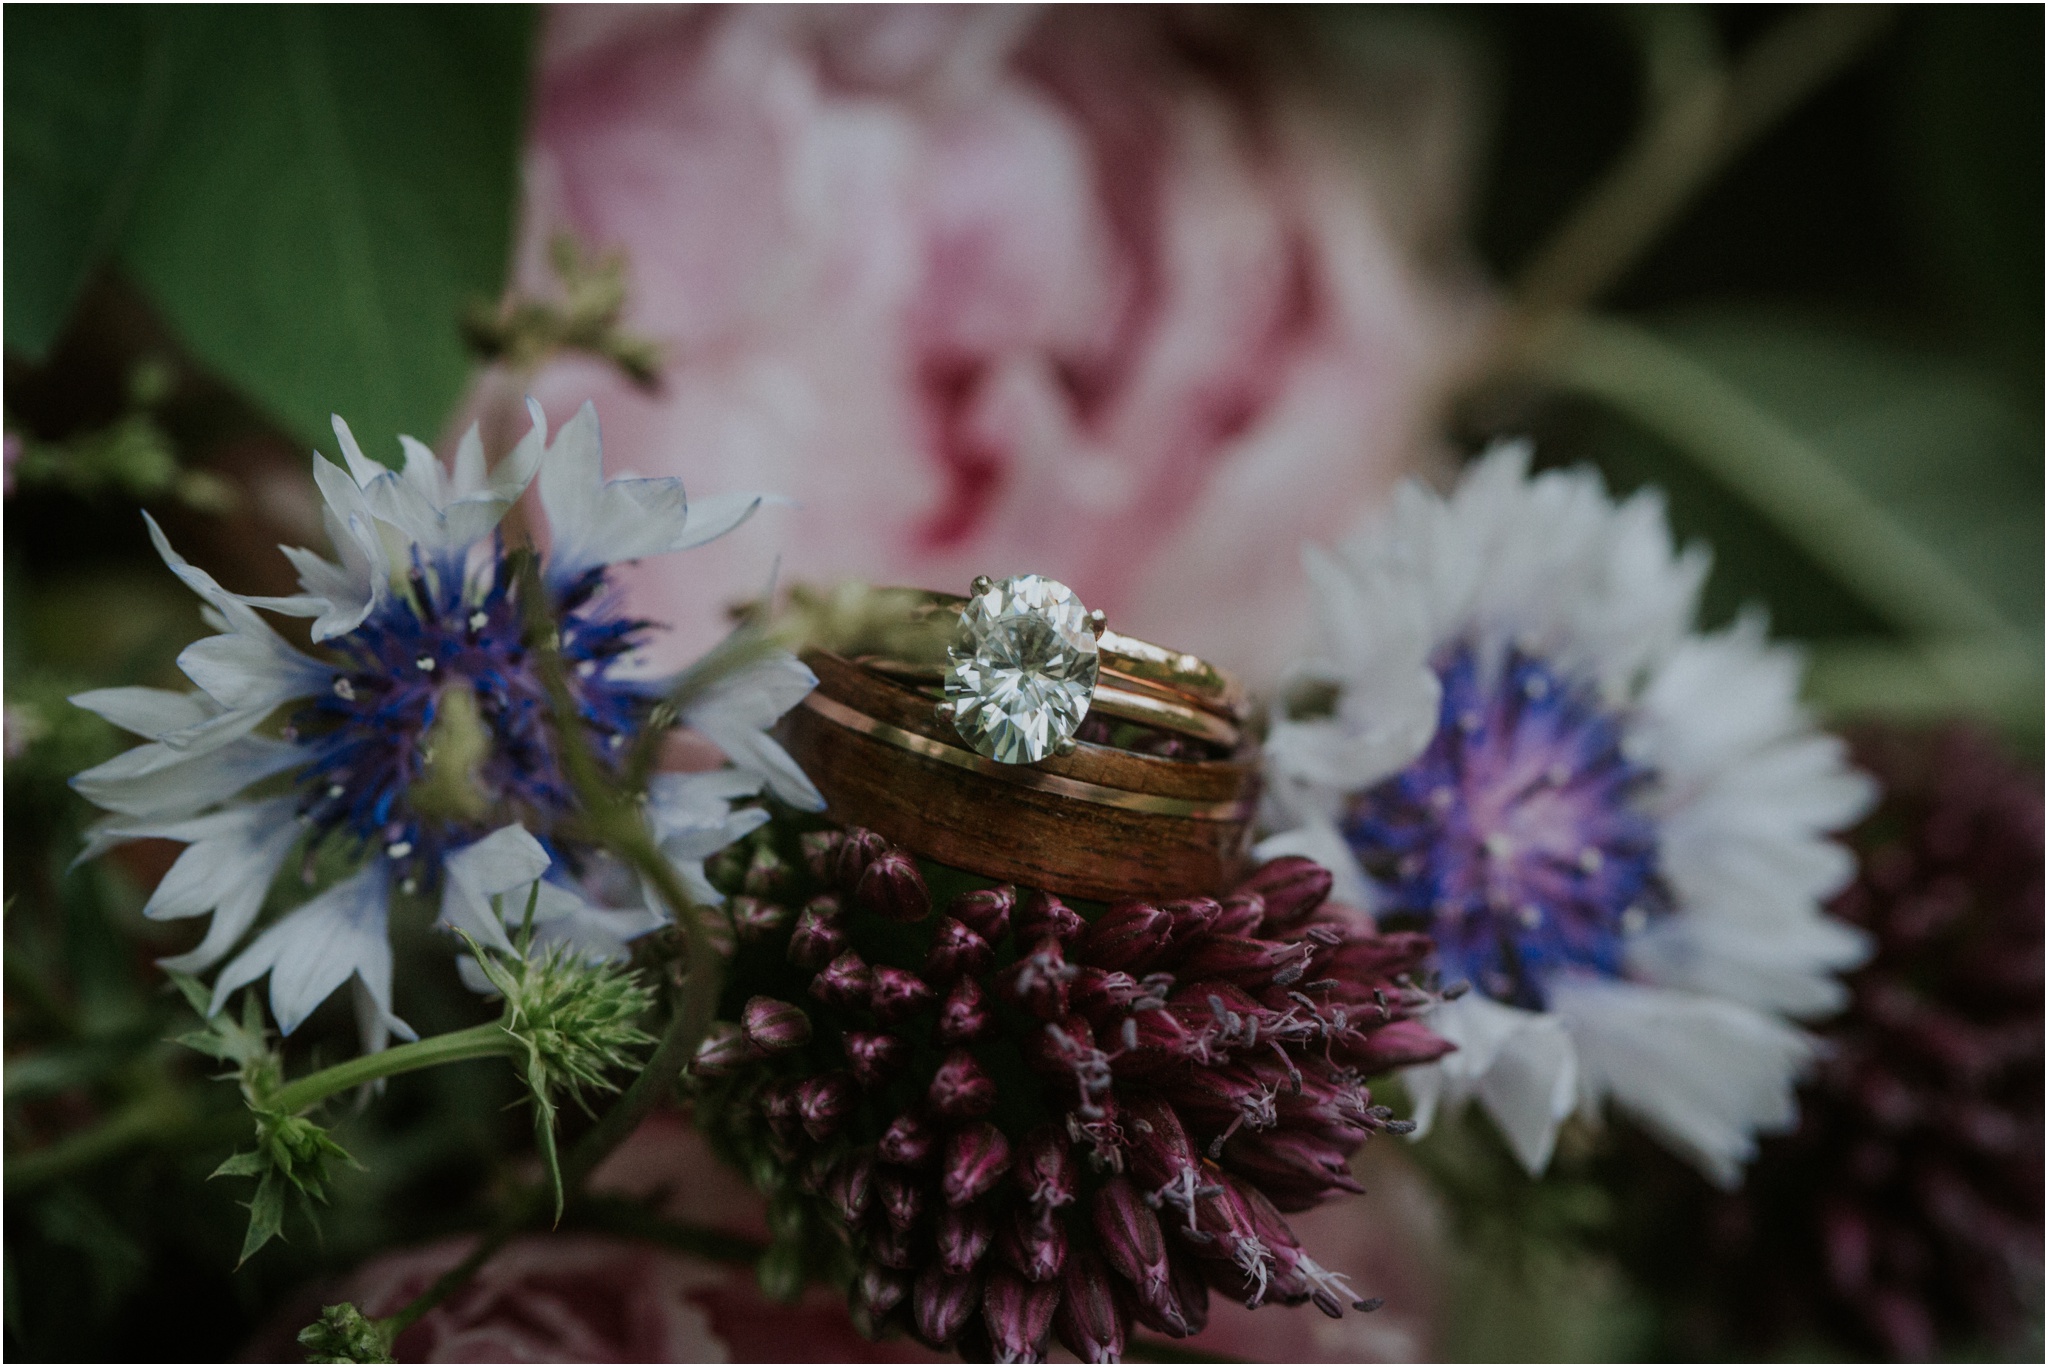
pixel 147 712
pixel 341 597
pixel 597 933
pixel 359 465
pixel 1530 1090
pixel 1787 966
pixel 1519 1064
pixel 246 670
pixel 152 780
pixel 339 934
pixel 594 522
pixel 507 861
pixel 375 1025
pixel 1704 1075
pixel 735 712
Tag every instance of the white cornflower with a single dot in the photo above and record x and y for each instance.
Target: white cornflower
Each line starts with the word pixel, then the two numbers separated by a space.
pixel 1618 831
pixel 423 662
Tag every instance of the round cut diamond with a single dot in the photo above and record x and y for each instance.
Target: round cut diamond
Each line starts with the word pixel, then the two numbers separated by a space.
pixel 1023 669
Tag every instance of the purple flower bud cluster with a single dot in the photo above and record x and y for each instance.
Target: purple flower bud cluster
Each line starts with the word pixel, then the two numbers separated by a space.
pixel 1903 1218
pixel 1000 1119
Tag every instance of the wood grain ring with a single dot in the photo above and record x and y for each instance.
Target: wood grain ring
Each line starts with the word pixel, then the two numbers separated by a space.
pixel 1099 823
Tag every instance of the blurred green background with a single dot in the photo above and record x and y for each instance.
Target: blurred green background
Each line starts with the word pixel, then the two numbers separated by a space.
pixel 221 225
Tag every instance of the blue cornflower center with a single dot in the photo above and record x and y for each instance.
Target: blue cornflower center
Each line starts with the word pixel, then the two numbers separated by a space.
pixel 456 642
pixel 1519 838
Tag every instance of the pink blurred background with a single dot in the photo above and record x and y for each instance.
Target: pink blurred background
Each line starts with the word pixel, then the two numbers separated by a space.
pixel 1128 297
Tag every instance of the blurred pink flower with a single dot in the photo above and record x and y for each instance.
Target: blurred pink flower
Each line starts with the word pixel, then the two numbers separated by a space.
pixel 1087 292
pixel 585 1298
pixel 578 1298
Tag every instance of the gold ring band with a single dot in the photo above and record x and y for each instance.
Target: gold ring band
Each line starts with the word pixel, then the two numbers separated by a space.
pixel 1024 777
pixel 1149 667
pixel 1131 701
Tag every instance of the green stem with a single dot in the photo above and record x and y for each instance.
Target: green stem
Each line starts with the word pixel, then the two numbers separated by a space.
pixel 631 1220
pixel 479 1041
pixel 1701 117
pixel 524 1211
pixel 617 822
pixel 1777 471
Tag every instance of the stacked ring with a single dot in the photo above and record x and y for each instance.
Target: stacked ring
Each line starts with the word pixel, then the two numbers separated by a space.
pixel 995 780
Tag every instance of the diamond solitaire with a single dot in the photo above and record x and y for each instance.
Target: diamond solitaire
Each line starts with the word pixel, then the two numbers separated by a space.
pixel 1023 669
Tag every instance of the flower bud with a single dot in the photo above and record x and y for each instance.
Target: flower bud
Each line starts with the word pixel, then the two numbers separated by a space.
pixel 956 951
pixel 1191 916
pixel 1182 1308
pixel 724 1049
pixel 767 875
pixel 1297 1170
pixel 1037 982
pixel 816 1173
pixel 881 1290
pixel 976 1158
pixel 893 1247
pixel 1041 915
pixel 778 1107
pixel 1018 1315
pixel 875 1057
pixel 860 848
pixel 846 982
pixel 1044 1168
pixel 1090 1321
pixel 961 1090
pixel 851 1188
pixel 1292 886
pixel 1250 963
pixel 963 1235
pixel 1129 936
pixel 821 852
pixel 822 1102
pixel 817 939
pixel 772 1026
pixel 897 995
pixel 1162 1159
pixel 964 1016
pixel 1131 1238
pixel 986 911
pixel 942 1303
pixel 901 1196
pixel 892 888
pixel 1243 913
pixel 908 1142
pixel 754 920
pixel 1032 1244
pixel 1396 1044
pixel 1373 958
pixel 1153 1043
pixel 1102 998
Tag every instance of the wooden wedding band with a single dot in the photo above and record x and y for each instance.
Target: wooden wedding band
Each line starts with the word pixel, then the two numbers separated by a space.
pixel 1097 823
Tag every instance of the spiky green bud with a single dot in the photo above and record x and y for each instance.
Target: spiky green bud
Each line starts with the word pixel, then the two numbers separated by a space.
pixel 579 1023
pixel 345 1334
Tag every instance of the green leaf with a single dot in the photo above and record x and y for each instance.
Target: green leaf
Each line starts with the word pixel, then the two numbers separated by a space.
pixel 85 103
pixel 1947 452
pixel 195 992
pixel 336 185
pixel 250 1164
pixel 266 1215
